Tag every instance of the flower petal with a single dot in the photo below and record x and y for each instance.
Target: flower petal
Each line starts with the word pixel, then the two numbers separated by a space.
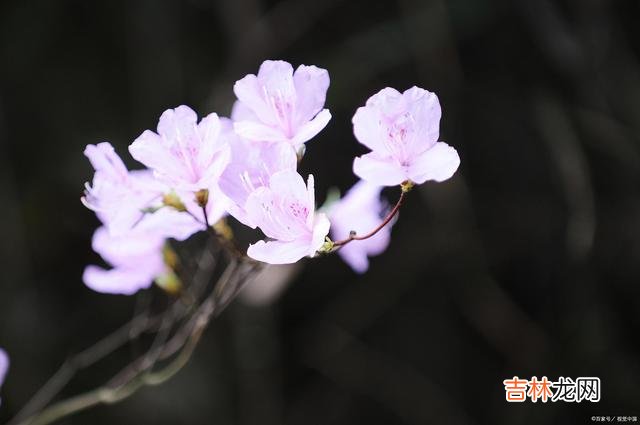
pixel 310 129
pixel 249 92
pixel 4 365
pixel 104 159
pixel 149 150
pixel 278 252
pixel 118 280
pixel 388 101
pixel 276 80
pixel 379 171
pixel 259 132
pixel 168 223
pixel 438 163
pixel 241 112
pixel 178 123
pixel 424 107
pixel 130 249
pixel 355 257
pixel 289 184
pixel 311 84
pixel 320 232
pixel 208 131
pixel 367 128
pixel 260 208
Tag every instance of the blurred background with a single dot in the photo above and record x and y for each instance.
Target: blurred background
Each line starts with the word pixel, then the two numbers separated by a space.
pixel 526 263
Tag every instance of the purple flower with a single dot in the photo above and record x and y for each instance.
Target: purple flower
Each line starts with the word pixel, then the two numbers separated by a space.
pixel 187 156
pixel 285 212
pixel 4 366
pixel 136 257
pixel 251 167
pixel 117 195
pixel 361 210
pixel 279 105
pixel 402 130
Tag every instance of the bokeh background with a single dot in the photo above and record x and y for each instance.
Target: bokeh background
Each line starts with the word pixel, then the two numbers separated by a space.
pixel 526 263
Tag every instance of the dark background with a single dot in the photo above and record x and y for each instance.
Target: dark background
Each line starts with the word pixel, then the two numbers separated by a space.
pixel 525 263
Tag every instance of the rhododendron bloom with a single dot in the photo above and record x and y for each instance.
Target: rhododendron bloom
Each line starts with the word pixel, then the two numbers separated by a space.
pixel 360 210
pixel 402 130
pixel 136 257
pixel 285 212
pixel 187 156
pixel 118 196
pixel 281 105
pixel 4 366
pixel 251 167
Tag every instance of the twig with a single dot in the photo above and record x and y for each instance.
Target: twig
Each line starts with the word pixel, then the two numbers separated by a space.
pixel 139 373
pixel 81 361
pixel 354 237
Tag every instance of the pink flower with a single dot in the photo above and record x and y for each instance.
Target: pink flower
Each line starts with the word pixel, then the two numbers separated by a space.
pixel 402 131
pixel 187 156
pixel 4 366
pixel 251 167
pixel 136 257
pixel 280 105
pixel 285 212
pixel 117 195
pixel 184 154
pixel 361 210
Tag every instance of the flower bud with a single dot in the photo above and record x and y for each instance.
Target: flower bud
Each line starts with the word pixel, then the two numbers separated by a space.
pixel 172 200
pixel 170 257
pixel 202 197
pixel 169 282
pixel 406 186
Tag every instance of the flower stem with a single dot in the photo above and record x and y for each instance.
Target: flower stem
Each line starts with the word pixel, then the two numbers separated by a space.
pixel 206 217
pixel 354 237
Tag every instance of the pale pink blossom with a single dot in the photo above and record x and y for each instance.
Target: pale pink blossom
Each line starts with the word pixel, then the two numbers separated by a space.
pixel 136 257
pixel 118 196
pixel 285 212
pixel 187 156
pixel 402 131
pixel 279 105
pixel 251 167
pixel 4 366
pixel 360 210
pixel 184 154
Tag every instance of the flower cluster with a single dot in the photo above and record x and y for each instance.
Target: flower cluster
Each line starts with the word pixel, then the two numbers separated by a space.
pixel 199 171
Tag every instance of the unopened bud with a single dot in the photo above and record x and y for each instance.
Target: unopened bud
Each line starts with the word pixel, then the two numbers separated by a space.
pixel 406 186
pixel 169 282
pixel 202 197
pixel 170 257
pixel 172 200
pixel 326 247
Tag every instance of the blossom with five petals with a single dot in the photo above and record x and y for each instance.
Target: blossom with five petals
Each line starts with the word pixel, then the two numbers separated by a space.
pixel 360 210
pixel 280 105
pixel 187 156
pixel 402 130
pixel 285 212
